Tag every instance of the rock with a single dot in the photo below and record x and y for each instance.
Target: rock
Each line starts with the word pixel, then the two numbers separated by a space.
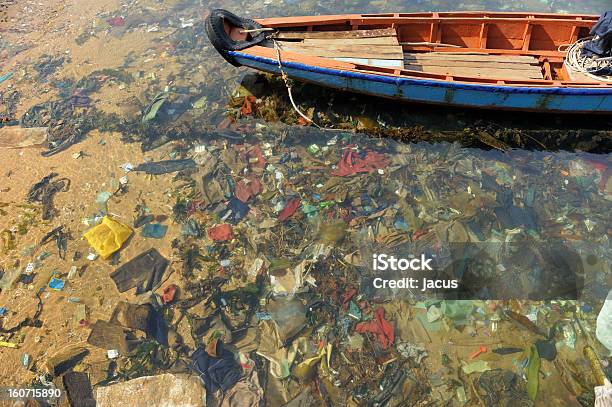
pixel 78 389
pixel 166 390
pixel 65 360
pixel 19 137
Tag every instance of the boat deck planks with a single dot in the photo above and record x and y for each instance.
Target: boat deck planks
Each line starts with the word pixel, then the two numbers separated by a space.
pixel 362 41
pixel 384 32
pixel 366 47
pixel 475 65
pixel 452 56
pixel 350 50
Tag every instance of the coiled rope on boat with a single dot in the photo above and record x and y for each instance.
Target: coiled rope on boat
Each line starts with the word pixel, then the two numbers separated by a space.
pixel 594 68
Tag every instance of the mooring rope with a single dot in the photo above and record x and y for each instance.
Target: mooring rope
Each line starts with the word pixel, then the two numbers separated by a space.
pixel 288 85
pixel 588 66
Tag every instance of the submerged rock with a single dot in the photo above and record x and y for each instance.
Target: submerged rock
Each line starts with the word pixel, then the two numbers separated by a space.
pixel 166 390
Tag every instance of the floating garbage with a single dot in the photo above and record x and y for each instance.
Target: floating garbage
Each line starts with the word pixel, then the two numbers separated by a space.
pixel 251 281
pixel 604 323
pixel 56 284
pixel 154 230
pixel 164 167
pixel 108 236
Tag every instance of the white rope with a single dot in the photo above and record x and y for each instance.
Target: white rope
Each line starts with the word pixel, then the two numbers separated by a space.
pixel 588 66
pixel 288 86
pixel 256 30
pixel 286 80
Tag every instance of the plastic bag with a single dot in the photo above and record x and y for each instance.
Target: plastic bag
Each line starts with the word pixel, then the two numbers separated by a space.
pixel 604 323
pixel 108 236
pixel 603 395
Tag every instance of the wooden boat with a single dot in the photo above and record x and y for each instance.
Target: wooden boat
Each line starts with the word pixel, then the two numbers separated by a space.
pixel 489 60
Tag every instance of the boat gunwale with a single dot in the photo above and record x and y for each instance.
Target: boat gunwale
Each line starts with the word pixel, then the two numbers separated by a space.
pixel 391 18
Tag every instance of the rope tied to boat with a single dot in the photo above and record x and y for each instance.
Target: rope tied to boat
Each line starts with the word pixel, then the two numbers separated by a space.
pixel 287 84
pixel 592 67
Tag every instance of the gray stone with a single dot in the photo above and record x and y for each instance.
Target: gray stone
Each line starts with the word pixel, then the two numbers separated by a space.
pixel 166 390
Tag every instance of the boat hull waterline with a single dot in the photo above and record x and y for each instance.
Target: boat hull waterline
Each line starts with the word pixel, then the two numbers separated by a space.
pixel 566 100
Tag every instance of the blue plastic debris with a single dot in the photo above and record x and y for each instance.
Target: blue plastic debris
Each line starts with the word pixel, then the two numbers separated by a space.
pixel 401 225
pixel 154 230
pixel 263 315
pixel 354 311
pixel 5 76
pixel 235 210
pixel 56 284
pixel 2 311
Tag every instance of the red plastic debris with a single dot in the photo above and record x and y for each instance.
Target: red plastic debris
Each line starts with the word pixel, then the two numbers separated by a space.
pixel 248 188
pixel 116 21
pixel 380 327
pixel 346 297
pixel 351 163
pixel 480 351
pixel 220 233
pixel 419 233
pixel 289 210
pixel 247 105
pixel 169 293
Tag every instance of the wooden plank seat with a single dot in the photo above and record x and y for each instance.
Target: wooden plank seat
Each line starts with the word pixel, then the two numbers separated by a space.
pixel 513 67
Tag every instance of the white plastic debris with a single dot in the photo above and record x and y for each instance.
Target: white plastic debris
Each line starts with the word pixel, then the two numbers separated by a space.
pixel 603 395
pixel 604 323
pixel 199 149
pixel 72 273
pixel 127 167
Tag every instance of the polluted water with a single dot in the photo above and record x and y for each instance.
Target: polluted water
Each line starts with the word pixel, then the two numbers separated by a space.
pixel 173 232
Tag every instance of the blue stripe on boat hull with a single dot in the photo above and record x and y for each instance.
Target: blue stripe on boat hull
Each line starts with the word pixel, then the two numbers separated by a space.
pixel 545 99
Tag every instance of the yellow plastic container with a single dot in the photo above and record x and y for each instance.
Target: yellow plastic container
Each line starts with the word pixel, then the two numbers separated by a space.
pixel 107 237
